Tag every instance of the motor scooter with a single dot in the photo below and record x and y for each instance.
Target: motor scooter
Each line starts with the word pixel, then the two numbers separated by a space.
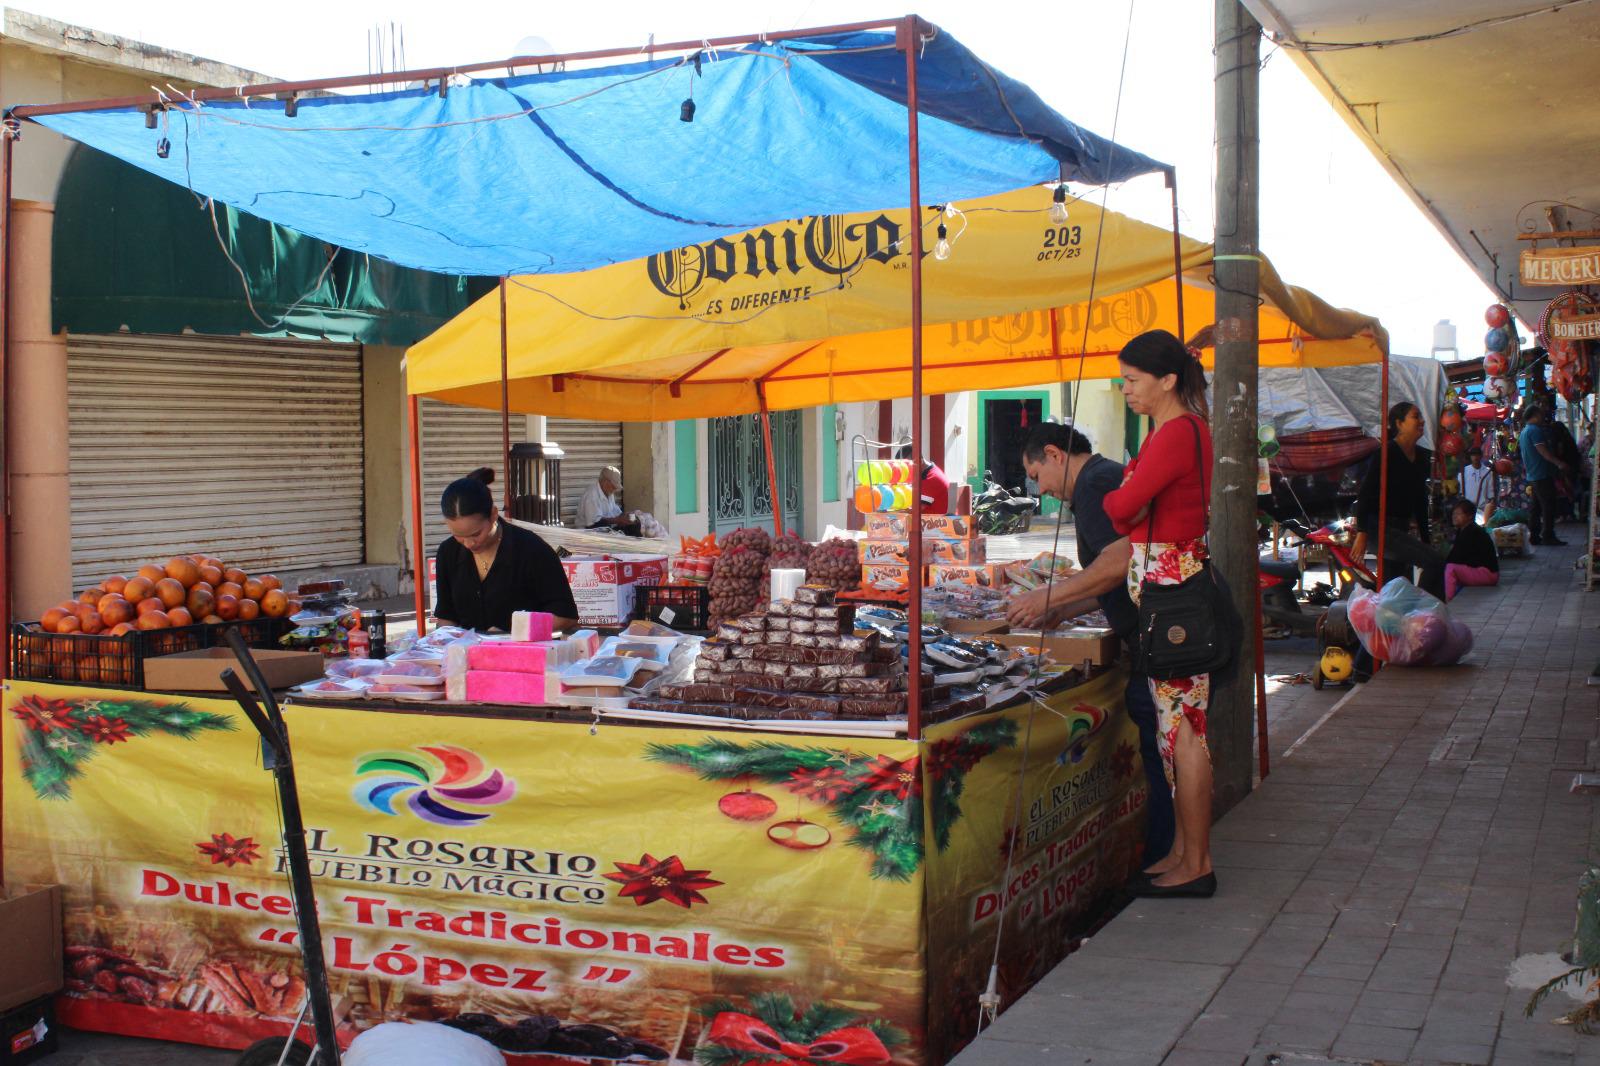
pixel 1284 600
pixel 997 512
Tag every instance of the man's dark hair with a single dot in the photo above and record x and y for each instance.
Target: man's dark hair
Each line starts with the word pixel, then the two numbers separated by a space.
pixel 1066 438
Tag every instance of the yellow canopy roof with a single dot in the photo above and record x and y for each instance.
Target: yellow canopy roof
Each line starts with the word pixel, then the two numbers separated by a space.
pixel 815 311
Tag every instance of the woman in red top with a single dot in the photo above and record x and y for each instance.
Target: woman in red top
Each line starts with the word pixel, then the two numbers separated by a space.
pixel 1163 509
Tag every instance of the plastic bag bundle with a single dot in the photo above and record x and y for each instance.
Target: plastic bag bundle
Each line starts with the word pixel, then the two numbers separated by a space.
pixel 1403 625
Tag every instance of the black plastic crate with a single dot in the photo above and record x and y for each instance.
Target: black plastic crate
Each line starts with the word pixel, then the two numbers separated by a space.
pixel 118 662
pixel 97 659
pixel 28 1032
pixel 685 607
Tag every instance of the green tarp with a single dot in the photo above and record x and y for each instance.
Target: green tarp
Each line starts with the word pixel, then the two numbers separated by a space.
pixel 134 251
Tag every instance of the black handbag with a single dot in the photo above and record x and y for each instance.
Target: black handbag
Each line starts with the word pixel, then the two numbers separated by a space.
pixel 1189 628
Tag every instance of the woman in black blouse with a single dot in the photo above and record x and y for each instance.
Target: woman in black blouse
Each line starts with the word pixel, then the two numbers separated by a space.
pixel 1405 540
pixel 489 568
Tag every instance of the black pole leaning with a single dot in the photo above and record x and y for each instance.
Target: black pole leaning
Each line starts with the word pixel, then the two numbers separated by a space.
pixel 276 737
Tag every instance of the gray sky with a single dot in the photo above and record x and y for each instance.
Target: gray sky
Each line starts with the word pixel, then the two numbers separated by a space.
pixel 1331 219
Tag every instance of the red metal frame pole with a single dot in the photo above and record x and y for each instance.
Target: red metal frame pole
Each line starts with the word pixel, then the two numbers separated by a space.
pixel 1383 469
pixel 772 467
pixel 505 406
pixel 1177 252
pixel 910 30
pixel 435 74
pixel 5 386
pixel 419 552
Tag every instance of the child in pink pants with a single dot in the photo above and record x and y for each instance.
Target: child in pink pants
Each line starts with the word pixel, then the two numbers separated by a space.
pixel 1473 561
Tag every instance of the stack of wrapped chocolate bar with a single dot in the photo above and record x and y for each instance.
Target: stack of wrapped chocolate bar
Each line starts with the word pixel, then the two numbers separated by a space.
pixel 798 660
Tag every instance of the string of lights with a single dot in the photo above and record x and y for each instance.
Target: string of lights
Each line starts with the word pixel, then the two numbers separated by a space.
pixel 1419 38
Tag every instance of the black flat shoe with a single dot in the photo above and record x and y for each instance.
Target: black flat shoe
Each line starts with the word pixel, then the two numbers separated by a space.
pixel 1202 887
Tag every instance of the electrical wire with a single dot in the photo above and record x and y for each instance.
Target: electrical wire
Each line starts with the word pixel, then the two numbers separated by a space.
pixel 1283 41
pixel 988 1001
pixel 244 280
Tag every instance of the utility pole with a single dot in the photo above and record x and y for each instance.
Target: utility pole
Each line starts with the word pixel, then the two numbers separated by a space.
pixel 1231 719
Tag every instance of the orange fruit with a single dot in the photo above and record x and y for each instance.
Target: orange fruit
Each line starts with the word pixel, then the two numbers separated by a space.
pixel 213 619
pixel 270 582
pixel 106 598
pixel 275 604
pixel 109 667
pixel 92 622
pixel 114 583
pixel 83 611
pixel 183 570
pixel 254 589
pixel 51 618
pixel 227 607
pixel 249 610
pixel 148 604
pixel 115 610
pixel 171 591
pixel 204 586
pixel 234 574
pixel 213 561
pixel 138 588
pixel 201 601
pixel 154 620
pixel 180 616
pixel 122 629
pixel 231 588
pixel 69 624
pixel 90 596
pixel 211 575
pixel 152 573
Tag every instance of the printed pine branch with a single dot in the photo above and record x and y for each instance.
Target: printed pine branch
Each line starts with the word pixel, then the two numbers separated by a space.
pixel 721 760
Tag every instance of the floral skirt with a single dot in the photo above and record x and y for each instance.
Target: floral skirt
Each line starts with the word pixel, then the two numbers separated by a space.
pixel 1176 698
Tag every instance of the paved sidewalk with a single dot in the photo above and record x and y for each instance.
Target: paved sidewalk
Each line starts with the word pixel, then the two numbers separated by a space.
pixel 1380 889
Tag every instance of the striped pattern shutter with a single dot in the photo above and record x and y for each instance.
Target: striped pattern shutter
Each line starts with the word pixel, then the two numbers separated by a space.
pixel 455 442
pixel 244 448
pixel 588 446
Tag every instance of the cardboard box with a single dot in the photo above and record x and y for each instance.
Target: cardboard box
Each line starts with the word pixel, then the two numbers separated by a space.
pixel 988 575
pixel 972 627
pixel 201 671
pixel 961 552
pixel 30 929
pixel 603 585
pixel 1069 647
pixel 885 577
pixel 896 525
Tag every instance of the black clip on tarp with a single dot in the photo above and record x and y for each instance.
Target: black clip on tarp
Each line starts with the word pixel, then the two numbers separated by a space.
pixel 275 738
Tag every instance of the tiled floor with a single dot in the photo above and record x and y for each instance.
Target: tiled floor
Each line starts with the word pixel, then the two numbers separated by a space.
pixel 1379 887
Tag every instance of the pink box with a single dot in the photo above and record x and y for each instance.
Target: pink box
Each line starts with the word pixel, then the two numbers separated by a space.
pixel 505 686
pixel 512 656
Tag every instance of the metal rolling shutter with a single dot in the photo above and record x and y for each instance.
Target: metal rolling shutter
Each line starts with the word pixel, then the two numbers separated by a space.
pixel 244 448
pixel 588 447
pixel 455 442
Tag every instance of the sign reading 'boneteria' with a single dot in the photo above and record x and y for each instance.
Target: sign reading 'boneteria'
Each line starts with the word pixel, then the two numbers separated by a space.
pixel 1561 266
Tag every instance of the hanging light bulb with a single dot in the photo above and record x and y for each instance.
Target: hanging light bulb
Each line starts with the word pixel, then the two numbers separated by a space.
pixel 941 249
pixel 1058 207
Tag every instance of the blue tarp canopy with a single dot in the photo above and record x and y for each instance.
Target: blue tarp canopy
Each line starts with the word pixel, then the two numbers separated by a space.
pixel 566 171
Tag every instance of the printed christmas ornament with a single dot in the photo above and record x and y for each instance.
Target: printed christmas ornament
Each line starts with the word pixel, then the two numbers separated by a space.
pixel 1494 389
pixel 1496 340
pixel 747 806
pixel 1450 445
pixel 799 834
pixel 1496 316
pixel 1504 467
pixel 1495 364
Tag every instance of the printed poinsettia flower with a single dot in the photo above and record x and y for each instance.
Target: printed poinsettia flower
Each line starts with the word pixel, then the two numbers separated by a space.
pixel 651 879
pixel 226 848
pixel 103 730
pixel 44 714
pixel 1122 761
pixel 823 785
pixel 891 775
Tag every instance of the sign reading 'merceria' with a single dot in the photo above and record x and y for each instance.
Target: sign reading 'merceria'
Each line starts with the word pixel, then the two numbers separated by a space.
pixel 1561 266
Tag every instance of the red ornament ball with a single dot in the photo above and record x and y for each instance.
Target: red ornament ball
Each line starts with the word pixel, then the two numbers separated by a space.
pixel 1450 445
pixel 1496 316
pixel 1504 467
pixel 1494 364
pixel 747 806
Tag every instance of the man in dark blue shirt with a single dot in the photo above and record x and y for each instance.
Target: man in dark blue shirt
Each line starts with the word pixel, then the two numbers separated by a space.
pixel 1065 466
